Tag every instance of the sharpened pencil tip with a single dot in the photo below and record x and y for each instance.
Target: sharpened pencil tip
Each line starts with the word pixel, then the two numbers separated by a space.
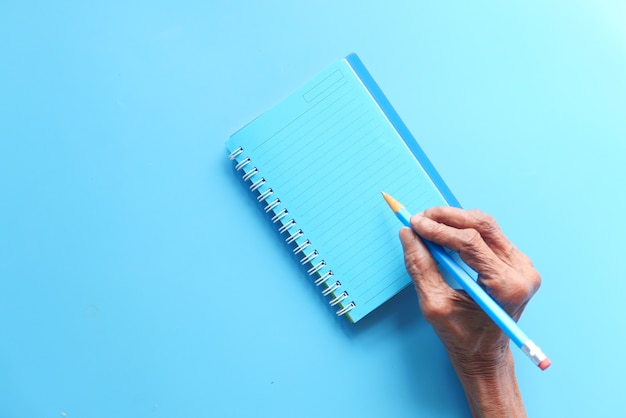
pixel 393 203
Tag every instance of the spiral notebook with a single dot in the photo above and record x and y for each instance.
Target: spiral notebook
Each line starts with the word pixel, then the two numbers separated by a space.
pixel 317 163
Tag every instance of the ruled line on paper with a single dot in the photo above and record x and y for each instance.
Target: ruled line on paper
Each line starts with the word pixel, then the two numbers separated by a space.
pixel 283 140
pixel 323 86
pixel 292 121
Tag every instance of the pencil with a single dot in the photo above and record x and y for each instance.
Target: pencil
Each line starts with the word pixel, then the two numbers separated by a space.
pixel 477 293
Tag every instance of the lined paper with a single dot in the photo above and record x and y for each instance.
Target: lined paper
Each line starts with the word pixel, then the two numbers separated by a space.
pixel 327 152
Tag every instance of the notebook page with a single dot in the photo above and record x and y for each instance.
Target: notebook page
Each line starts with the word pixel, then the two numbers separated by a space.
pixel 327 152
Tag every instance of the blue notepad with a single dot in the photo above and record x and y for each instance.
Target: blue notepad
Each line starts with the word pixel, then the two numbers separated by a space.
pixel 317 163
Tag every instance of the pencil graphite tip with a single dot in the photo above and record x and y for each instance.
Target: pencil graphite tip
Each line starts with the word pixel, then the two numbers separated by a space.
pixel 393 203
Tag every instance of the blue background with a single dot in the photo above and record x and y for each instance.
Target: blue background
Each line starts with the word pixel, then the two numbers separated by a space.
pixel 139 279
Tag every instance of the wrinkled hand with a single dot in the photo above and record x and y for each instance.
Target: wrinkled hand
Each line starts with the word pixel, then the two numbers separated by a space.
pixel 474 343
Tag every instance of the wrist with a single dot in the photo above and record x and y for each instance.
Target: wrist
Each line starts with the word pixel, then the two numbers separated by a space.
pixel 490 385
pixel 482 364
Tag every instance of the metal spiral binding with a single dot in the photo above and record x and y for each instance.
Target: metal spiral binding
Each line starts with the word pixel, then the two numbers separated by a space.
pixel 330 289
pixel 323 278
pixel 346 308
pixel 338 299
pixel 292 237
pixel 301 247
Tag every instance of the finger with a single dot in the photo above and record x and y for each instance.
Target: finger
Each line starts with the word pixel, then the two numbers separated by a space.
pixel 485 224
pixel 420 265
pixel 468 242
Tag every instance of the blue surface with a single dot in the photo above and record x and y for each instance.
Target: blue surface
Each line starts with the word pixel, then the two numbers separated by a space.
pixel 131 255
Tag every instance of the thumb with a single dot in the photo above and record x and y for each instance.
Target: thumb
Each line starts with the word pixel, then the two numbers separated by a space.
pixel 420 264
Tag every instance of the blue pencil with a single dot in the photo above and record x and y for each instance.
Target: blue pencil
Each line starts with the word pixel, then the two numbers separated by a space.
pixel 477 293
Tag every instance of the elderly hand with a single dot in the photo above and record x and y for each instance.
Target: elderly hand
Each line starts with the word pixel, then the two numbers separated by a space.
pixel 478 349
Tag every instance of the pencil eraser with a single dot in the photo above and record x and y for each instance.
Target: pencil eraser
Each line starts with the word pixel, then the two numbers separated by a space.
pixel 545 364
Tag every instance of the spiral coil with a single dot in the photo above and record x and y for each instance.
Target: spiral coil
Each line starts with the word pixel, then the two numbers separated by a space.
pixel 293 235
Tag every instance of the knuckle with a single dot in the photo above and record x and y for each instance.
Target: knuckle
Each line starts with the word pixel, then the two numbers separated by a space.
pixel 535 280
pixel 414 264
pixel 485 221
pixel 524 290
pixel 470 238
pixel 513 292
pixel 525 287
pixel 438 232
pixel 518 298
pixel 435 309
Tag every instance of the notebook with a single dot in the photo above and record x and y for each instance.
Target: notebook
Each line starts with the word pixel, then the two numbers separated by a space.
pixel 317 163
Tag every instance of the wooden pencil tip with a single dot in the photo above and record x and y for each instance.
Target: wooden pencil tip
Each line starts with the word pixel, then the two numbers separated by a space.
pixel 393 203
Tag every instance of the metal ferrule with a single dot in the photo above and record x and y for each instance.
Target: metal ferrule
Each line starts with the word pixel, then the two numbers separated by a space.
pixel 534 352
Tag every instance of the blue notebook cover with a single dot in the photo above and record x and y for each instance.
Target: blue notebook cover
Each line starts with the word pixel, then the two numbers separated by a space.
pixel 317 163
